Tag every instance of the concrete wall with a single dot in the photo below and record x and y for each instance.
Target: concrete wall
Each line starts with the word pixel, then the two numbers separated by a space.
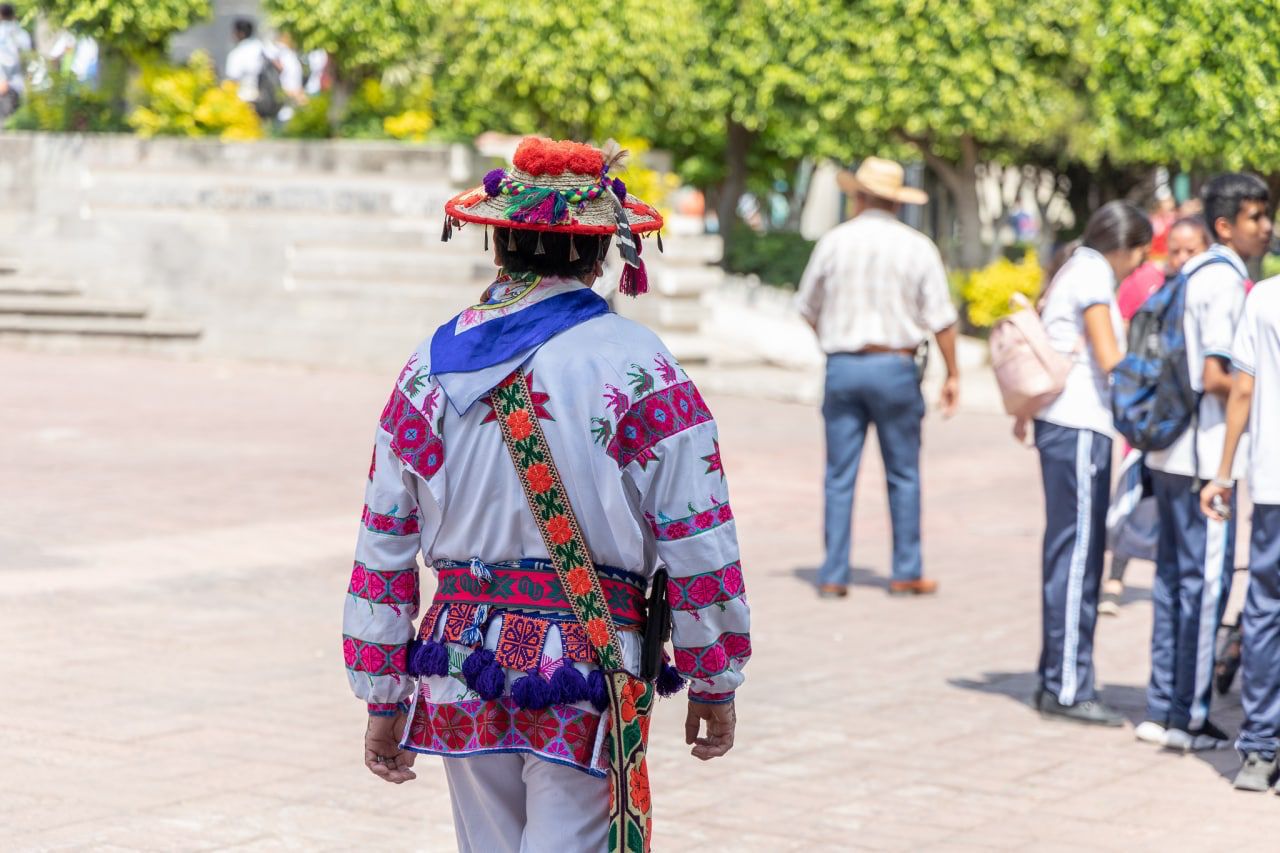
pixel 322 252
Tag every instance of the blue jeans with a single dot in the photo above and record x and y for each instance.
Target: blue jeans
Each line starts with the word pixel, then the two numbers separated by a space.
pixel 861 390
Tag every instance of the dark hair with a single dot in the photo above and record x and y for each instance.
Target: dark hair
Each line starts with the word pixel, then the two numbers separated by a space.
pixel 547 252
pixel 1197 222
pixel 1226 194
pixel 243 27
pixel 1116 225
pixel 7 12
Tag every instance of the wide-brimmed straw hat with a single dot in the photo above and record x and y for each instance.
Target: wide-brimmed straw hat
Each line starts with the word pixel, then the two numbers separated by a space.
pixel 883 178
pixel 554 186
pixel 565 187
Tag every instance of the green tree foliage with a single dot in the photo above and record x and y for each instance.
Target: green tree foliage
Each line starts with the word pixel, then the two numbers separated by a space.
pixel 364 38
pixel 1189 82
pixel 126 25
pixel 960 82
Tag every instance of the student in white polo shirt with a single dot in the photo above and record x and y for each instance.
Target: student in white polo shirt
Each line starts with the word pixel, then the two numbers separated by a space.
pixel 1196 553
pixel 1255 402
pixel 1073 437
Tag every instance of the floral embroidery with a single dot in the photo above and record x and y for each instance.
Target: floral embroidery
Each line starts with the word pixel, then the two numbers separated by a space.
pixel 519 424
pixel 562 733
pixel 540 400
pixel 656 418
pixel 713 460
pixel 412 438
pixel 390 523
pixel 374 658
pixel 709 661
pixel 539 477
pixel 704 590
pixel 640 787
pixel 697 522
pixel 560 530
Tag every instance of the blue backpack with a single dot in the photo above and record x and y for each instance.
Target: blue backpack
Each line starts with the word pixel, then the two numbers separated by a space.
pixel 1152 400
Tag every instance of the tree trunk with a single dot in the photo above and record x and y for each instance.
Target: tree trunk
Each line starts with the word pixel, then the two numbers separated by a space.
pixel 113 74
pixel 737 145
pixel 961 179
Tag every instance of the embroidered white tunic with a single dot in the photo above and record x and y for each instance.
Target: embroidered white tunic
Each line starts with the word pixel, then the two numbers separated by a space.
pixel 639 455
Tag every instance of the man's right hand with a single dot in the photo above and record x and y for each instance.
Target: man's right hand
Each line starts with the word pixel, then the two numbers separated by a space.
pixel 721 721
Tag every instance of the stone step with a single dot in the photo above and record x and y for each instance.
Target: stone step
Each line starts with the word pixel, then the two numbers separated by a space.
pixel 9 266
pixel 68 306
pixel 18 325
pixel 688 348
pixel 686 281
pixel 23 286
pixel 436 263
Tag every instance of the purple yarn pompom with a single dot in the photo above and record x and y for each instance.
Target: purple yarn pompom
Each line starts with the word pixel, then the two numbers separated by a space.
pixel 429 658
pixel 474 665
pixel 620 190
pixel 493 181
pixel 491 680
pixel 669 681
pixel 532 692
pixel 568 684
pixel 597 692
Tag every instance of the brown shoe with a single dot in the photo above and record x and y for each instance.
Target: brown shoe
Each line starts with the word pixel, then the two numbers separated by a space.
pixel 919 586
pixel 833 590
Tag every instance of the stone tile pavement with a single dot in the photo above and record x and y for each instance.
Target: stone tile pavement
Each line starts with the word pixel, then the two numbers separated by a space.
pixel 174 545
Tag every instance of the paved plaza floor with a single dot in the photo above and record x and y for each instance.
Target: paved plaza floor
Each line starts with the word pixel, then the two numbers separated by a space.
pixel 175 541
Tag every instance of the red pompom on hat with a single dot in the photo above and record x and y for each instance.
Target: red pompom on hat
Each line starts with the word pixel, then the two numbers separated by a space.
pixel 540 156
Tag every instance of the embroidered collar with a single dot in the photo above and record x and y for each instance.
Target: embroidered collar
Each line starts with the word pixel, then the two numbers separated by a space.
pixel 477 349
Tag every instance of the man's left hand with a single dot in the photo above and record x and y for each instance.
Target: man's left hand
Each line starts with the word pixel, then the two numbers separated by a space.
pixel 949 399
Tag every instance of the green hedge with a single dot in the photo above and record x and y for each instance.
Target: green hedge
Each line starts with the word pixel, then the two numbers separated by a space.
pixel 777 257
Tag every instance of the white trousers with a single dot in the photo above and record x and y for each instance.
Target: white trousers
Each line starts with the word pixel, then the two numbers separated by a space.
pixel 516 803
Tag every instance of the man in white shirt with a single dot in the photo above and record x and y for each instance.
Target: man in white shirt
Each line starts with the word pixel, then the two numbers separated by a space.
pixel 1196 553
pixel 1255 404
pixel 246 61
pixel 874 291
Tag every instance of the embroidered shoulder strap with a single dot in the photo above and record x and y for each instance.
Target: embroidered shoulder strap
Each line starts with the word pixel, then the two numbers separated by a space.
pixel 556 521
pixel 631 699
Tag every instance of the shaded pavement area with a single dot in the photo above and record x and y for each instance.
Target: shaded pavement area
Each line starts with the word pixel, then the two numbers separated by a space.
pixel 174 550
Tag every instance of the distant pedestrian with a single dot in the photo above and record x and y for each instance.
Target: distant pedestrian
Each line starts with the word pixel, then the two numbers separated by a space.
pixel 15 43
pixel 874 291
pixel 1254 403
pixel 1133 523
pixel 251 66
pixel 1196 555
pixel 292 84
pixel 1073 436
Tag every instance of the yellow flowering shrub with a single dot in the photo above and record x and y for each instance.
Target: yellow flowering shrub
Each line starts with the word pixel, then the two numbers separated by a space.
pixel 410 125
pixel 987 291
pixel 644 182
pixel 188 101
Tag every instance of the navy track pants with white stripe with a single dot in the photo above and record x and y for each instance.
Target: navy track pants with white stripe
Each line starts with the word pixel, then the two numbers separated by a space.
pixel 1076 467
pixel 1194 563
pixel 1260 625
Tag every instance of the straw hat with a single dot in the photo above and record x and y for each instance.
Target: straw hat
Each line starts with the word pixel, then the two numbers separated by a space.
pixel 563 187
pixel 554 186
pixel 882 178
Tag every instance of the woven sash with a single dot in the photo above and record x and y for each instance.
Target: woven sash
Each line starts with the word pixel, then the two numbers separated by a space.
pixel 631 699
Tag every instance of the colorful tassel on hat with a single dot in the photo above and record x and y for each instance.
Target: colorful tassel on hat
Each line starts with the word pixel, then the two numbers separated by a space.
pixel 659 235
pixel 493 182
pixel 573 249
pixel 532 692
pixel 486 239
pixel 447 232
pixel 635 280
pixel 539 250
pixel 569 685
pixel 511 239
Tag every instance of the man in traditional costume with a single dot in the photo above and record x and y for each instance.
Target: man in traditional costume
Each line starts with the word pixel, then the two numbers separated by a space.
pixel 560 474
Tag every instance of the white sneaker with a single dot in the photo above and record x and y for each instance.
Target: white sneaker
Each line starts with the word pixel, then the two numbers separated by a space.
pixel 1149 731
